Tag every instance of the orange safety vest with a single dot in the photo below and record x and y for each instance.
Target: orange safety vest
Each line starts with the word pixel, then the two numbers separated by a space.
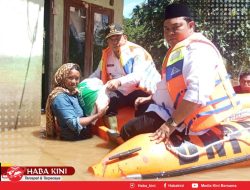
pixel 104 75
pixel 223 102
pixel 126 65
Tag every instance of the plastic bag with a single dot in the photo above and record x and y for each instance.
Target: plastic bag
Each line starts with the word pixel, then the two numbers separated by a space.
pixel 92 95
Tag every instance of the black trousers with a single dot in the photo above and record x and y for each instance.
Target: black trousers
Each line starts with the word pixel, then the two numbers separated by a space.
pixel 118 100
pixel 148 122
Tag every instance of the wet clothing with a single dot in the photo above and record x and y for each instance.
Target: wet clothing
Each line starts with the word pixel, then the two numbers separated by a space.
pixel 67 110
pixel 63 109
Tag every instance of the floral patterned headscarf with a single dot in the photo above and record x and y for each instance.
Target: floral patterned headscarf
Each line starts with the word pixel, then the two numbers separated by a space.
pixel 59 86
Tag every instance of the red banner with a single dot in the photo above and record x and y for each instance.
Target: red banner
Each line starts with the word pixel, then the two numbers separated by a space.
pixel 126 185
pixel 40 170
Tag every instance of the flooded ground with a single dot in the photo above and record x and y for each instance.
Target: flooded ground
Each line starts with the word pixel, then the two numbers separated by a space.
pixel 26 147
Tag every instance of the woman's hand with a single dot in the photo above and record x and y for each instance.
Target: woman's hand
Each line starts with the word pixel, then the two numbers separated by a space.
pixel 102 111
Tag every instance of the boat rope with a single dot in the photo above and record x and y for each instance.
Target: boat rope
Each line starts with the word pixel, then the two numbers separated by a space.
pixel 193 169
pixel 227 138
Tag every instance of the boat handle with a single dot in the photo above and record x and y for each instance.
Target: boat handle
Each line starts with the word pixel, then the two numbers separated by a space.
pixel 124 154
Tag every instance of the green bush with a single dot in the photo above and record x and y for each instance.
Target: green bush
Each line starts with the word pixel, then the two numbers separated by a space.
pixel 145 28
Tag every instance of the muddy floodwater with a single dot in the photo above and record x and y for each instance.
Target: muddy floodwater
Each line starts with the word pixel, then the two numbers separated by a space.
pixel 27 147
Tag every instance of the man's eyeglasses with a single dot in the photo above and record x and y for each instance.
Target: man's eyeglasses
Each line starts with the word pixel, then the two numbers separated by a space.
pixel 245 82
pixel 115 39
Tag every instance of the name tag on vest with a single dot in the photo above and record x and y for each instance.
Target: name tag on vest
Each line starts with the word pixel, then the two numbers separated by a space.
pixel 110 65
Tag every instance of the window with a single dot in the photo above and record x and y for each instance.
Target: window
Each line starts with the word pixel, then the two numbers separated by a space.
pixel 101 17
pixel 84 34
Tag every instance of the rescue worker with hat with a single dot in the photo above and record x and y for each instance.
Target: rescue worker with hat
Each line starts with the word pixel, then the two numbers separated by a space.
pixel 128 71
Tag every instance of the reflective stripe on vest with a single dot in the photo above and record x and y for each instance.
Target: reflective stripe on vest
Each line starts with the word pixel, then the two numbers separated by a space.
pixel 127 66
pixel 149 75
pixel 223 102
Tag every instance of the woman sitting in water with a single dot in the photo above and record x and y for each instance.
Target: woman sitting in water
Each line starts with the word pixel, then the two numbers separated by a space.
pixel 64 115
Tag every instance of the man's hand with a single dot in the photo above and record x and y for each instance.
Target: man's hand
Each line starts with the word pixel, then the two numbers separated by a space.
pixel 141 100
pixel 162 134
pixel 113 84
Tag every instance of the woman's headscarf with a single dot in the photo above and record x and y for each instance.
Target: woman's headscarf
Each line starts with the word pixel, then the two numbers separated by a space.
pixel 59 87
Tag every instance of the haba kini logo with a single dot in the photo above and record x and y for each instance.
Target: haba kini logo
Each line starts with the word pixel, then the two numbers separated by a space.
pixel 17 173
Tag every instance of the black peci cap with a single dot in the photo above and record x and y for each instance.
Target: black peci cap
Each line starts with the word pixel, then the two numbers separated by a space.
pixel 177 10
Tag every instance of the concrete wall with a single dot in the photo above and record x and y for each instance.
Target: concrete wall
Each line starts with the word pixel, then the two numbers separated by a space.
pixel 21 62
pixel 58 36
pixel 21 54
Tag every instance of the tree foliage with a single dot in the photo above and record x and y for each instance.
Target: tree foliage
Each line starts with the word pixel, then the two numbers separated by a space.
pixel 145 28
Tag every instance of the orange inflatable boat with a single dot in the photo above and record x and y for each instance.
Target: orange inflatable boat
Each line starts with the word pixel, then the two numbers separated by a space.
pixel 141 158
